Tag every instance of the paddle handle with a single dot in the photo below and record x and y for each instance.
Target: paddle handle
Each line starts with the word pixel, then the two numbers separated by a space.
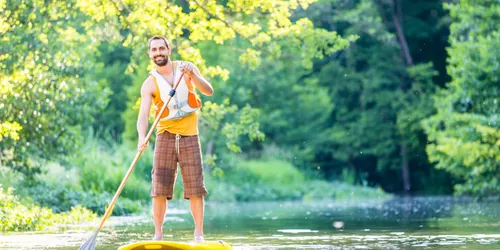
pixel 132 166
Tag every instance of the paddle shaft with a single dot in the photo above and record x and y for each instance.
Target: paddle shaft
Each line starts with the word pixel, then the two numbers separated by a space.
pixel 132 166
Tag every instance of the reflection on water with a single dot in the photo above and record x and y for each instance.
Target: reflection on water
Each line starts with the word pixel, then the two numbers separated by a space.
pixel 402 223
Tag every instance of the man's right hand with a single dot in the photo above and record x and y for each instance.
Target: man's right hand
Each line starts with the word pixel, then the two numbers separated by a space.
pixel 142 144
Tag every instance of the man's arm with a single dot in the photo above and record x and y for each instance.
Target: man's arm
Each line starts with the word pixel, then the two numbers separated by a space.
pixel 199 81
pixel 142 120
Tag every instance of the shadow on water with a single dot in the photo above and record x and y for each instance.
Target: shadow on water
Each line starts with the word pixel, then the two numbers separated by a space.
pixel 400 223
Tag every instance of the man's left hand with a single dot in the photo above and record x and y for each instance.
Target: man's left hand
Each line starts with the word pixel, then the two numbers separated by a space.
pixel 187 68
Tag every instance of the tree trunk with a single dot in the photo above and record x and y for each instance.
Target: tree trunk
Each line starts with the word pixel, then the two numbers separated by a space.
pixel 352 167
pixel 405 169
pixel 397 17
pixel 400 32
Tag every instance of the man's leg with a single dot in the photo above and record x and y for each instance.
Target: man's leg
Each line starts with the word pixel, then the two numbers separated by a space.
pixel 197 205
pixel 163 177
pixel 191 164
pixel 159 209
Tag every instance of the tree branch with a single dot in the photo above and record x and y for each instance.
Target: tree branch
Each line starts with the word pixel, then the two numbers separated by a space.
pixel 214 16
pixel 123 16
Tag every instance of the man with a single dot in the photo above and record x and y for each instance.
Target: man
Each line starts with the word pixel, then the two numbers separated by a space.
pixel 177 133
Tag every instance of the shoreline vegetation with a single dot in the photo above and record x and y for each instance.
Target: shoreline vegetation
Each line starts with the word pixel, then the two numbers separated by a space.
pixel 78 188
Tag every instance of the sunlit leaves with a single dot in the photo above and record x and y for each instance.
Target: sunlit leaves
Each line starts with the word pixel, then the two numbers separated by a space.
pixel 16 217
pixel 44 85
pixel 250 31
pixel 9 129
pixel 465 133
pixel 48 57
pixel 246 124
pixel 222 118
pixel 217 71
pixel 251 58
pixel 259 22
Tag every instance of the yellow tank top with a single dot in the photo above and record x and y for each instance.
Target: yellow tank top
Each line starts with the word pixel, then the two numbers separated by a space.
pixel 187 125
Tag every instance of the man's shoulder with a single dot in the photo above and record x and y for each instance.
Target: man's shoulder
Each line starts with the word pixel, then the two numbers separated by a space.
pixel 149 80
pixel 149 84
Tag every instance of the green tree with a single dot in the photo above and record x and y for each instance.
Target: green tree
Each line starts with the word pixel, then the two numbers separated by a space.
pixel 380 93
pixel 114 58
pixel 52 85
pixel 257 35
pixel 47 90
pixel 416 86
pixel 464 134
pixel 285 99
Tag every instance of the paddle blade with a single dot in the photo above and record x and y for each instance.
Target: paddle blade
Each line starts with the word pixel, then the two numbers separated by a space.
pixel 90 244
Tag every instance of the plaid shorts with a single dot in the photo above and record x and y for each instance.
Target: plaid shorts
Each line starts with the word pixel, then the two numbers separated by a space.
pixel 171 149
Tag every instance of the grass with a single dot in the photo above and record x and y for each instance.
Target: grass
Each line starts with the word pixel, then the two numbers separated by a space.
pixel 272 171
pixel 272 179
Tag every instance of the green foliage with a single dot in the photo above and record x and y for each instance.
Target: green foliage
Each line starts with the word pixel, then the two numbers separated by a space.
pixel 101 167
pixel 375 100
pixel 131 113
pixel 261 180
pixel 465 131
pixel 60 199
pixel 366 96
pixel 467 146
pixel 61 35
pixel 115 59
pixel 9 177
pixel 266 171
pixel 81 49
pixel 337 106
pixel 223 119
pixel 262 36
pixel 260 23
pixel 10 130
pixel 283 98
pixel 341 191
pixel 90 177
pixel 47 90
pixel 16 217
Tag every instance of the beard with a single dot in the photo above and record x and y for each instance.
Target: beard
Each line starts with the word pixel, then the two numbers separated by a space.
pixel 161 60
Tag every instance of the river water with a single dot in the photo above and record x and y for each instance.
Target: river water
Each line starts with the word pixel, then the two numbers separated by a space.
pixel 399 223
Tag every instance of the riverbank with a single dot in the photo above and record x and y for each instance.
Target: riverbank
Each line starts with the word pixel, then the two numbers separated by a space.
pixel 80 186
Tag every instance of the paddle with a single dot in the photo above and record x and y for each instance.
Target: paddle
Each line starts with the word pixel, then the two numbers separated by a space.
pixel 90 244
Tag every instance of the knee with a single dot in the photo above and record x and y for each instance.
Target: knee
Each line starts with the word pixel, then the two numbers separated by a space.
pixel 196 198
pixel 159 199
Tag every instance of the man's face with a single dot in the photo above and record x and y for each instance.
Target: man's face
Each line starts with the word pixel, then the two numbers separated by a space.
pixel 158 52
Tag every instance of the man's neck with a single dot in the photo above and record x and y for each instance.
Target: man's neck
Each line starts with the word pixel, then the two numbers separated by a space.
pixel 165 70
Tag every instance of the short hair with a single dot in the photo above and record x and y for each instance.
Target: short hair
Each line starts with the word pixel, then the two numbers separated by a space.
pixel 158 38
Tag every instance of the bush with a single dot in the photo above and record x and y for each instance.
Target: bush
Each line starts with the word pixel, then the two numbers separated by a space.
pixel 61 189
pixel 318 189
pixel 9 177
pixel 17 217
pixel 102 166
pixel 61 199
pixel 272 179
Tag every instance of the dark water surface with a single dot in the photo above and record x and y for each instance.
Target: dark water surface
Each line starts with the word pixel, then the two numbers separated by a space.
pixel 400 223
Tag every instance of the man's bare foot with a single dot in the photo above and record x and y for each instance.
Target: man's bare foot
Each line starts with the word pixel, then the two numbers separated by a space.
pixel 198 236
pixel 158 236
pixel 198 239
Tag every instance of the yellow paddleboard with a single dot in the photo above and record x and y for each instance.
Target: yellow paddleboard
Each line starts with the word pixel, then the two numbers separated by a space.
pixel 169 245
